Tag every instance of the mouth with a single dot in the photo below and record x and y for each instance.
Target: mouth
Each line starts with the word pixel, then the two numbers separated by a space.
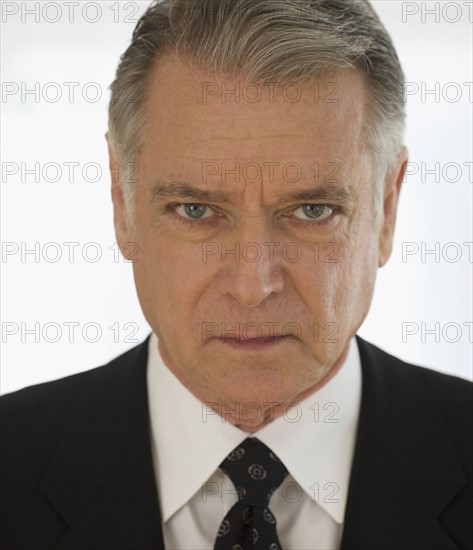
pixel 254 344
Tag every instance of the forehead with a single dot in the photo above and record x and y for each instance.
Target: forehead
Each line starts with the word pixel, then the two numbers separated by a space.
pixel 193 117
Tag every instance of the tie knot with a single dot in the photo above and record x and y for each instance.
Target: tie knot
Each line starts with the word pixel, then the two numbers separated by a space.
pixel 255 471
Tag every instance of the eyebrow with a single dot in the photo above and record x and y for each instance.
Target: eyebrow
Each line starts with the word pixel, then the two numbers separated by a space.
pixel 185 190
pixel 324 192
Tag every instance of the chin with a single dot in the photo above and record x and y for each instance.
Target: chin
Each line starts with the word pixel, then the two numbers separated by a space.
pixel 256 392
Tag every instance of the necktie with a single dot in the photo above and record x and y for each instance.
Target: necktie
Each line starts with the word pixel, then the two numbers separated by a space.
pixel 256 473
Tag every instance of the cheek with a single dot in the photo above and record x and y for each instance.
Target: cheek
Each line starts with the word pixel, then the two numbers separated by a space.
pixel 339 286
pixel 170 275
pixel 359 272
pixel 328 290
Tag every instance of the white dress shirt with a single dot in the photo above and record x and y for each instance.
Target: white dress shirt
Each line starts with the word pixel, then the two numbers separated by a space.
pixel 315 441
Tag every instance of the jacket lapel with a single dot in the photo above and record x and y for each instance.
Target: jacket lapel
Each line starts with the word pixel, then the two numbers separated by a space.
pixel 101 480
pixel 404 474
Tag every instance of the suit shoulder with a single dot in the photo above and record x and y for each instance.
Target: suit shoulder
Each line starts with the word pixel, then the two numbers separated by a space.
pixel 444 385
pixel 64 387
pixel 55 398
pixel 419 399
pixel 68 386
pixel 34 418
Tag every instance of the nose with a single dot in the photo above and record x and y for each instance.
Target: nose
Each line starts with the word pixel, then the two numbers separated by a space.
pixel 254 269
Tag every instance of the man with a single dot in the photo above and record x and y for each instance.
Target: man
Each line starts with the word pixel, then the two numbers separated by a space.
pixel 261 161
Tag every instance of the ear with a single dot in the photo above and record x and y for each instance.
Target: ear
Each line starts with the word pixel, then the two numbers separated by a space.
pixel 392 189
pixel 120 213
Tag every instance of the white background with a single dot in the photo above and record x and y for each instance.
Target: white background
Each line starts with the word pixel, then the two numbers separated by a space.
pixel 434 43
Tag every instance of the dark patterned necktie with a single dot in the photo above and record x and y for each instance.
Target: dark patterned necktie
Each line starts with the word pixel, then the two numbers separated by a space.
pixel 256 473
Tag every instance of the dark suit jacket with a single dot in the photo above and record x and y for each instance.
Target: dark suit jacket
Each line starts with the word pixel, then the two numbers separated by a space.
pixel 77 470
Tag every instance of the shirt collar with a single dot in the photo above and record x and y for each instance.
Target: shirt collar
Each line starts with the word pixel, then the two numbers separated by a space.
pixel 315 439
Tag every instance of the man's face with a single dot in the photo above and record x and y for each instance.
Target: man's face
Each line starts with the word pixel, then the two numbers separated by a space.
pixel 227 248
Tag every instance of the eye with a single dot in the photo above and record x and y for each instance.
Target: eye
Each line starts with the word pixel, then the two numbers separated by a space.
pixel 318 212
pixel 194 211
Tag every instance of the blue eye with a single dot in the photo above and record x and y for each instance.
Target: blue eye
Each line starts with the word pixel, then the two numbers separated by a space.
pixel 317 212
pixel 193 211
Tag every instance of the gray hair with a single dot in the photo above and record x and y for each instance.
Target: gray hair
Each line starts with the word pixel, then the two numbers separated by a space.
pixel 267 42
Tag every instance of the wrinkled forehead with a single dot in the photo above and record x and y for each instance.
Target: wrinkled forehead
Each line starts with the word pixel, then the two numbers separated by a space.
pixel 201 125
